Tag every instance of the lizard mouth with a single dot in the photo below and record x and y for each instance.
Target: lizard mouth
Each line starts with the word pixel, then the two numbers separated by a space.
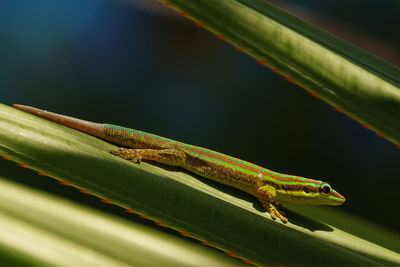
pixel 337 198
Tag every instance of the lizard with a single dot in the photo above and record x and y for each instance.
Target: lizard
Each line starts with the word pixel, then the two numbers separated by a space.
pixel 271 188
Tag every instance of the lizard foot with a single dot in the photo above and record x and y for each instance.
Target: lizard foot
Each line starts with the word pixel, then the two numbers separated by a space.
pixel 129 154
pixel 276 213
pixel 266 195
pixel 279 207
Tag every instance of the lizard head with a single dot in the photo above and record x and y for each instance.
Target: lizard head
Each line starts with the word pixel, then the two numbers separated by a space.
pixel 308 191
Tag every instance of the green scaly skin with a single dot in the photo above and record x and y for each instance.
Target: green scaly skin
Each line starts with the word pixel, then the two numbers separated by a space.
pixel 268 186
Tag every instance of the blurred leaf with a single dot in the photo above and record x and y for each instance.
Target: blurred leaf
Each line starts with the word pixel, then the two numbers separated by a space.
pixel 39 229
pixel 220 215
pixel 344 76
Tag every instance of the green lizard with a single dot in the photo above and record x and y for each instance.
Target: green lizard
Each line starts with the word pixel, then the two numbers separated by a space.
pixel 268 186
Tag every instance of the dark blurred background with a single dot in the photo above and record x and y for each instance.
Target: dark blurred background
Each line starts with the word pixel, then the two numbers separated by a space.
pixel 138 64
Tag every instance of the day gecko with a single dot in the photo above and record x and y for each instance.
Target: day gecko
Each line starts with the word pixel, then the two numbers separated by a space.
pixel 271 188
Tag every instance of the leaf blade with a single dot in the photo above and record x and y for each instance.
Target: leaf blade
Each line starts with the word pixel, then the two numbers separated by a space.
pixel 45 230
pixel 361 85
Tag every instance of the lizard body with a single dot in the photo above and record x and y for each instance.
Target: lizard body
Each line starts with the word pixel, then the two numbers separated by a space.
pixel 268 186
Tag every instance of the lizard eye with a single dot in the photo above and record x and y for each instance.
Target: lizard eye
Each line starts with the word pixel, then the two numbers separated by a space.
pixel 326 189
pixel 306 190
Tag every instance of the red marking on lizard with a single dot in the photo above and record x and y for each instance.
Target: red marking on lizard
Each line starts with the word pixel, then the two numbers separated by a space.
pixel 238 163
pixel 241 49
pixel 63 182
pixel 6 158
pixel 398 146
pixel 365 126
pixel 83 191
pixel 145 217
pixel 42 173
pixel 222 158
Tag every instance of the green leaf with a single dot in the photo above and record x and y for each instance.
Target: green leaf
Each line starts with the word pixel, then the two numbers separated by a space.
pixel 39 229
pixel 346 77
pixel 228 219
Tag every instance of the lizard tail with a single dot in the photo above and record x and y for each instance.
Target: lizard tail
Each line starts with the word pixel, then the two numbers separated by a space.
pixel 95 129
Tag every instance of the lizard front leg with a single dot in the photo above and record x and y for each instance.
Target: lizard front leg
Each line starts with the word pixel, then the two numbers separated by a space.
pixel 266 195
pixel 170 156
